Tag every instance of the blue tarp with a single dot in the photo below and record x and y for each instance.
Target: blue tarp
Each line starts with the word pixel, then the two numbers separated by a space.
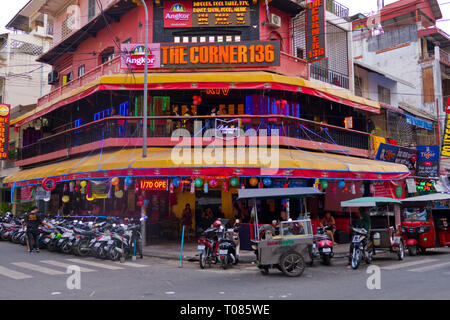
pixel 419 122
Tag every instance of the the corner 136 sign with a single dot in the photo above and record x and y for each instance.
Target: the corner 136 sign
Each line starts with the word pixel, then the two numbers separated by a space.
pixel 315 26
pixel 4 130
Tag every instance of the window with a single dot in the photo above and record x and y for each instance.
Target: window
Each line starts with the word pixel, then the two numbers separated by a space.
pixel 102 114
pixel 80 71
pixel 77 123
pixel 107 56
pixel 66 78
pixel 384 95
pixel 91 9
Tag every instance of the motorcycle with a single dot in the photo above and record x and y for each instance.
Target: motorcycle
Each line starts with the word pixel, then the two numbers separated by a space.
pixel 361 247
pixel 228 247
pixel 322 247
pixel 207 247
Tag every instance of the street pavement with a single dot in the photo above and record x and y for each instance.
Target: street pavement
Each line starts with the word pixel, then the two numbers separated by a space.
pixel 44 276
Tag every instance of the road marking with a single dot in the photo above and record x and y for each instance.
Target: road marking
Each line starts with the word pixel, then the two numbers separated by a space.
pixel 407 264
pixel 95 264
pixel 131 264
pixel 432 267
pixel 13 274
pixel 65 265
pixel 35 267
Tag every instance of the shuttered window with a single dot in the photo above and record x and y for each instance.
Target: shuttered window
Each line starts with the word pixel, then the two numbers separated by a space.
pixel 428 85
pixel 91 9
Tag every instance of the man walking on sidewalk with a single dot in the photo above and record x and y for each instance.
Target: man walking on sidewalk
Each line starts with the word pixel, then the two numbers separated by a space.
pixel 32 222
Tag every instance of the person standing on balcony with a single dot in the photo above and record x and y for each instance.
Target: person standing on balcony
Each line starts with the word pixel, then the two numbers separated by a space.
pixel 174 124
pixel 188 123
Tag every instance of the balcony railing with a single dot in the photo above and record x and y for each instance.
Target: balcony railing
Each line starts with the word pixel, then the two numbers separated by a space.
pixel 328 76
pixel 128 130
pixel 337 9
pixel 289 66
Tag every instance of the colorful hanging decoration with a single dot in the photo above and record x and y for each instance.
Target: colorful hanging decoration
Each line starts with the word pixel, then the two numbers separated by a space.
pixel 198 182
pixel 353 188
pixel 372 189
pixel 89 198
pixel 89 190
pixel 362 189
pixel 171 187
pixel 83 190
pixel 324 184
pixel 118 194
pixel 260 185
pixel 192 186
pixel 65 199
pixel 286 183
pixel 225 186
pixel 176 182
pixel 213 183
pixel 267 182
pixel 341 184
pixel 115 181
pixel 253 181
pixel 180 186
pixel 83 184
pixel 71 186
pixel 234 182
pixel 205 188
pixel 146 202
pixel 128 181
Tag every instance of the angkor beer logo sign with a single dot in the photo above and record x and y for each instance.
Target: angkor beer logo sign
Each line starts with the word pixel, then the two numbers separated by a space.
pixel 133 56
pixel 315 35
pixel 177 14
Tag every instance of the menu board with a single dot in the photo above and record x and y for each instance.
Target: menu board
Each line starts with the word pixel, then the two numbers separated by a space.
pixel 220 13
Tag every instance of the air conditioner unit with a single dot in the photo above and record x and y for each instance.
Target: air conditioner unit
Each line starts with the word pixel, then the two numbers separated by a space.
pixel 53 77
pixel 274 21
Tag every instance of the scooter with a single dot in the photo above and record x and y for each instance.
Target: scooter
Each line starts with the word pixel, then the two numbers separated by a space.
pixel 322 247
pixel 362 247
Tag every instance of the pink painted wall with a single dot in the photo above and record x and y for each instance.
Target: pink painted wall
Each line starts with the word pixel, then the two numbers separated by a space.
pixel 284 33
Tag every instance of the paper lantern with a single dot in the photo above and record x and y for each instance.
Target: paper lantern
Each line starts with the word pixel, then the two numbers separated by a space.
pixel 192 187
pixel 128 181
pixel 399 191
pixel 341 184
pixel 225 186
pixel 146 202
pixel 176 182
pixel 71 185
pixel 141 198
pixel 267 182
pixel 242 186
pixel 253 181
pixel 118 194
pixel 83 184
pixel 324 184
pixel 198 182
pixel 213 183
pixel 234 182
pixel 115 181
pixel 65 199
pixel 353 188
pixel 171 187
pixel 260 185
pixel 205 188
pixel 140 204
pixel 89 198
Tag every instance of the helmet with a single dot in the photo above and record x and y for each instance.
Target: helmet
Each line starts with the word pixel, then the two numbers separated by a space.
pixel 217 224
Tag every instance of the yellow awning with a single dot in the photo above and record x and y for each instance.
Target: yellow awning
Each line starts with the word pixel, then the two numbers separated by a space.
pixel 203 162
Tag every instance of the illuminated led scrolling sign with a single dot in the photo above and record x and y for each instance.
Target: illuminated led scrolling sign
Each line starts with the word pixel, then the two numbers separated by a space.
pixel 153 185
pixel 315 35
pixel 188 14
pixel 4 130
pixel 257 53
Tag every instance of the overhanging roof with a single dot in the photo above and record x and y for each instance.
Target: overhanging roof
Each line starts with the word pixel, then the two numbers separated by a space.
pixel 368 202
pixel 383 73
pixel 428 197
pixel 414 111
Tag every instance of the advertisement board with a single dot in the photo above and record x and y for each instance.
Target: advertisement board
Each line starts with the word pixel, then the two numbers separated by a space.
pixel 315 30
pixel 4 130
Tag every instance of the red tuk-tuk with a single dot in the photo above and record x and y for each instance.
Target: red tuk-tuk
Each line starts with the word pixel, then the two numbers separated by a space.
pixel 423 224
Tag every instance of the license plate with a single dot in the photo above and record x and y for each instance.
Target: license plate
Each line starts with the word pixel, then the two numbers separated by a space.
pixel 396 240
pixel 355 239
pixel 110 241
pixel 97 245
pixel 223 251
pixel 326 250
pixel 201 248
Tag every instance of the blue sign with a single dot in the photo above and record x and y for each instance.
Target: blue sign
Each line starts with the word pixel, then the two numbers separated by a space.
pixel 427 161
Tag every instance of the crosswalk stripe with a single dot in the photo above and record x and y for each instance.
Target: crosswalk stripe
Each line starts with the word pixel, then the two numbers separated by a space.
pixel 13 274
pixel 35 267
pixel 95 264
pixel 432 267
pixel 407 264
pixel 132 264
pixel 65 265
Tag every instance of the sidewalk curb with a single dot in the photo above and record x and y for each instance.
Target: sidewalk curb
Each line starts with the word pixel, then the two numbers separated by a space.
pixel 190 258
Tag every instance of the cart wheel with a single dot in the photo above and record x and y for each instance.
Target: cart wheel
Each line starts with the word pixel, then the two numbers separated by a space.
pixel 412 250
pixel 292 264
pixel 401 251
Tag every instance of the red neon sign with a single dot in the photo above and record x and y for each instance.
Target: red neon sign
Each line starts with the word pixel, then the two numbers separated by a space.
pixel 153 185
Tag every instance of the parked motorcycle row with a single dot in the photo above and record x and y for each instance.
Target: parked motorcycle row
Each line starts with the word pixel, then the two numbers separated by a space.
pixel 219 244
pixel 112 239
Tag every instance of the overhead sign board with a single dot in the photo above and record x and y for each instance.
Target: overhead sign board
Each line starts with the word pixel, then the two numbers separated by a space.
pixel 133 56
pixel 315 26
pixel 4 130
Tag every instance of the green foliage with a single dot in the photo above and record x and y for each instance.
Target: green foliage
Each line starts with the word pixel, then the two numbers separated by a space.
pixel 5 207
